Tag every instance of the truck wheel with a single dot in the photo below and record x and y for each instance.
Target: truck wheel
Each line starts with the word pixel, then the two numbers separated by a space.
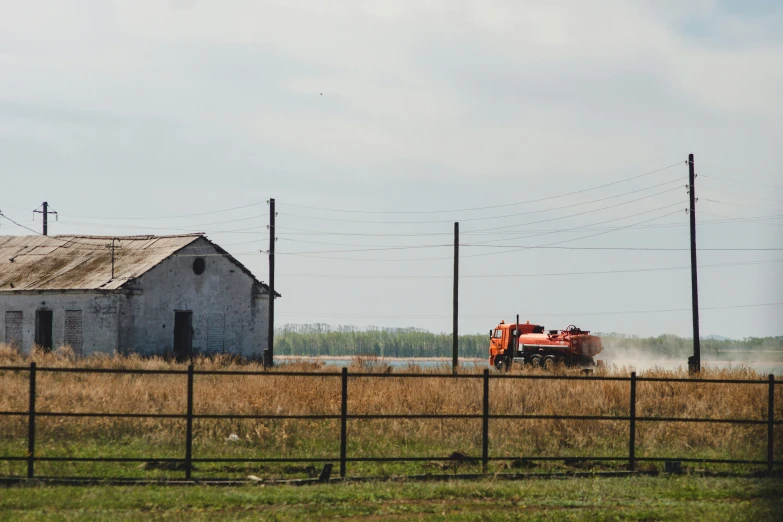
pixel 501 364
pixel 548 363
pixel 534 361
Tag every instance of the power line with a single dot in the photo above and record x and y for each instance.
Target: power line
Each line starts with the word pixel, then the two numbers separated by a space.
pixel 741 205
pixel 490 206
pixel 551 274
pixel 20 225
pixel 726 193
pixel 584 226
pixel 571 314
pixel 532 247
pixel 142 227
pixel 247 230
pixel 36 232
pixel 760 219
pixel 316 218
pixel 73 239
pixel 567 240
pixel 174 217
pixel 741 182
pixel 478 243
pixel 543 247
pixel 141 252
pixel 621 204
pixel 310 232
pixel 374 247
pixel 64 241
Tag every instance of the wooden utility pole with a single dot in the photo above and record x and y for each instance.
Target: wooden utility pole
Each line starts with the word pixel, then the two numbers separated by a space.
pixel 45 213
pixel 112 255
pixel 269 357
pixel 694 362
pixel 455 325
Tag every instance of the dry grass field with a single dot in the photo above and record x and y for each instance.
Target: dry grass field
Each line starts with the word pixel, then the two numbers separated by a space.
pixel 270 394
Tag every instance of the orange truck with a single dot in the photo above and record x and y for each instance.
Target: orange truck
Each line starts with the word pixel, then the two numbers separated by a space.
pixel 532 345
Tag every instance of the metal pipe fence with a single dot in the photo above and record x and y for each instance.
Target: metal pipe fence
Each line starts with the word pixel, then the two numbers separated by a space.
pixel 189 416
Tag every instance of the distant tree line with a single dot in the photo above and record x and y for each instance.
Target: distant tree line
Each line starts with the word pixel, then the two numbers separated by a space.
pixel 322 339
pixel 325 340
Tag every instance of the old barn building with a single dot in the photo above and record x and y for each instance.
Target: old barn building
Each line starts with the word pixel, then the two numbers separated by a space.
pixel 166 295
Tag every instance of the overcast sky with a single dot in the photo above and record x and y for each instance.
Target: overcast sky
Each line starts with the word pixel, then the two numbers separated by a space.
pixel 152 109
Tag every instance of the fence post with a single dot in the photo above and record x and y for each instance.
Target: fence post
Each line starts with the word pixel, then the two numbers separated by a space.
pixel 770 422
pixel 343 420
pixel 485 424
pixel 31 426
pixel 189 430
pixel 632 435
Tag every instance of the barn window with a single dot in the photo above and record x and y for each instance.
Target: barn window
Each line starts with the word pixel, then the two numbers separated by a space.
pixel 13 329
pixel 216 332
pixel 198 266
pixel 73 335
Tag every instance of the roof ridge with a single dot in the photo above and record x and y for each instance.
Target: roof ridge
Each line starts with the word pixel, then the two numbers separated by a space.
pixel 139 236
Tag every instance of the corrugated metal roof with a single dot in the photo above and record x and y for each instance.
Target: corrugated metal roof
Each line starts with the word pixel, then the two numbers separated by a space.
pixel 81 262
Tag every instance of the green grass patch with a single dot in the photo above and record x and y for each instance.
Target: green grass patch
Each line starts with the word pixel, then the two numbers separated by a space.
pixel 631 498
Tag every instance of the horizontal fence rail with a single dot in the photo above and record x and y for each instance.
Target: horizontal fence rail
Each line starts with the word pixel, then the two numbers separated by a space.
pixel 189 416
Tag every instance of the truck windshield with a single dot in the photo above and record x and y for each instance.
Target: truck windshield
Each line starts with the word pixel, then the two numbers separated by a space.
pixel 498 334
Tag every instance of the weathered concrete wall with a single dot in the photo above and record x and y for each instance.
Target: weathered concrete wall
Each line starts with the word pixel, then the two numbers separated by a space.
pixel 99 317
pixel 229 314
pixel 229 311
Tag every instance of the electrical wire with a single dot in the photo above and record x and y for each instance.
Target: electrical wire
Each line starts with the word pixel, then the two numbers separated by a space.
pixel 516 237
pixel 187 231
pixel 316 218
pixel 64 241
pixel 619 312
pixel 310 232
pixel 549 220
pixel 565 240
pixel 532 247
pixel 490 206
pixel 20 225
pixel 551 274
pixel 741 205
pixel 74 240
pixel 583 226
pixel 173 217
pixel 726 193
pixel 376 249
pixel 760 219
pixel 741 182
pixel 142 227
pixel 613 249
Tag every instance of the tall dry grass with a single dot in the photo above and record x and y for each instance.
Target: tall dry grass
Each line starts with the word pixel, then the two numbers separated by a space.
pixel 270 394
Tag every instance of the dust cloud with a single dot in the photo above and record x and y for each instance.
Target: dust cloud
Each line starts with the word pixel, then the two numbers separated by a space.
pixel 621 353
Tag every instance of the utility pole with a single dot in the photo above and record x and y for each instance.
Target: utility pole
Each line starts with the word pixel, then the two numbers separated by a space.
pixel 112 255
pixel 45 213
pixel 455 326
pixel 269 358
pixel 694 362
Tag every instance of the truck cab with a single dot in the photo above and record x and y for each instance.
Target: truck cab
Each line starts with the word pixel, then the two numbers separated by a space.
pixel 503 340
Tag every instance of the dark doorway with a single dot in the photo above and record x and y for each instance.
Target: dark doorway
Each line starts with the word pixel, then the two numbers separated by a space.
pixel 43 329
pixel 183 335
